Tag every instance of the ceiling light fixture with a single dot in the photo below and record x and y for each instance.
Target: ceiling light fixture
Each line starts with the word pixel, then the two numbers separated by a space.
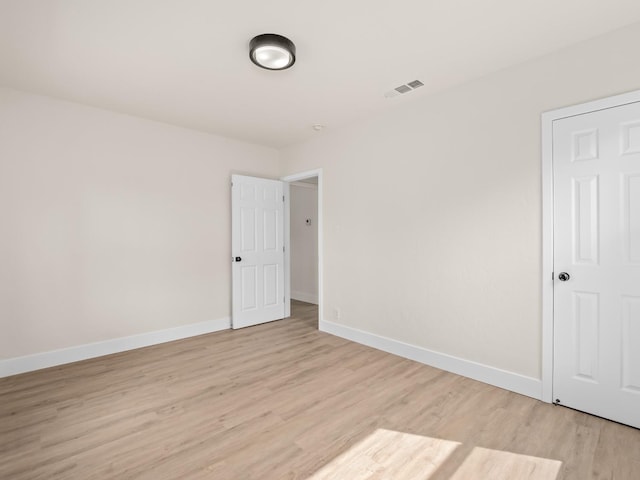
pixel 272 51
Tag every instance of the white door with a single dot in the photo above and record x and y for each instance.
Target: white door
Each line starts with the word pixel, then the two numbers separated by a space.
pixel 596 165
pixel 257 247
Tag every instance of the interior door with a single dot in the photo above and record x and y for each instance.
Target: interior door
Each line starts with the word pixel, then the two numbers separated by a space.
pixel 257 243
pixel 596 163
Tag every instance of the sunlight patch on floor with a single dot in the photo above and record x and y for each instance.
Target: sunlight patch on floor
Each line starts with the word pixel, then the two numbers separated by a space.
pixel 389 454
pixel 501 465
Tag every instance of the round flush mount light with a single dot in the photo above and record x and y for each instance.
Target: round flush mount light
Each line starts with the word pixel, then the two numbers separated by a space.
pixel 272 51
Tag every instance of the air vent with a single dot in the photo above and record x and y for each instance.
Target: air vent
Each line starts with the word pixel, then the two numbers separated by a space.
pixel 404 88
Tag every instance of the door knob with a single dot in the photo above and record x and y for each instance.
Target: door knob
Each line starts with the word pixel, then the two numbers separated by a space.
pixel 564 276
pixel 238 259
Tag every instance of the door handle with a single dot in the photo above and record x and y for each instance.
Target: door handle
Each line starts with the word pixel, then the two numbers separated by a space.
pixel 564 276
pixel 238 259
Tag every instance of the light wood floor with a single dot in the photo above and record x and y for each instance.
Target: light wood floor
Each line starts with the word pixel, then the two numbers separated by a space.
pixel 284 401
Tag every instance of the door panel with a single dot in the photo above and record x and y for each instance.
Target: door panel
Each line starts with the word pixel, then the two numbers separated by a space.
pixel 630 138
pixel 248 230
pixel 249 287
pixel 631 216
pixel 597 242
pixel 257 240
pixel 586 313
pixel 585 214
pixel 271 285
pixel 631 340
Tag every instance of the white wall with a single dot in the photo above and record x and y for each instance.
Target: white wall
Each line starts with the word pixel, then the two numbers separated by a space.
pixel 111 225
pixel 438 244
pixel 304 242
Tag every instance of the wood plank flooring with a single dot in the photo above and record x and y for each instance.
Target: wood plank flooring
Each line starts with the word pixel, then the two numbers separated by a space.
pixel 285 401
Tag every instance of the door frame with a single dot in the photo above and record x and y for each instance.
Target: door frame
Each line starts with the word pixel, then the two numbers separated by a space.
pixel 547 120
pixel 288 179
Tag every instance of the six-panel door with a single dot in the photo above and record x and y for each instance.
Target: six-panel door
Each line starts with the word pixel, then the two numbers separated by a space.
pixel 257 250
pixel 597 243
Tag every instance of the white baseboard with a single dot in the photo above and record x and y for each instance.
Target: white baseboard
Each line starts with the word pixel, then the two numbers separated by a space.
pixel 531 387
pixel 305 297
pixel 28 363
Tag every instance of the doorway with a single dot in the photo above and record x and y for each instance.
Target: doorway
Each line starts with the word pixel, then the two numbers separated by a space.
pixel 303 232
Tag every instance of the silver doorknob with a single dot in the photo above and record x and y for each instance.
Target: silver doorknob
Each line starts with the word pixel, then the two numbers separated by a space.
pixel 564 276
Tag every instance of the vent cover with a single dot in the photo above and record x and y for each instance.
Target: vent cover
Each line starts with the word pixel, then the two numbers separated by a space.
pixel 404 88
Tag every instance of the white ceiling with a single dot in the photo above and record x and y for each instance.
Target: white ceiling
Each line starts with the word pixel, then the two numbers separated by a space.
pixel 186 62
